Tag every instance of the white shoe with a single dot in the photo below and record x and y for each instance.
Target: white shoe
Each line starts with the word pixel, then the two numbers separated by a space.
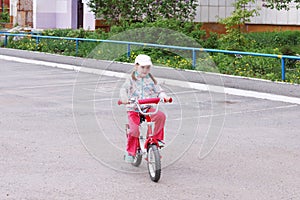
pixel 161 143
pixel 128 158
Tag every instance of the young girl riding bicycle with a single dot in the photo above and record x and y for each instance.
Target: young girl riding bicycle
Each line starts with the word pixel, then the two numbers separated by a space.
pixel 141 85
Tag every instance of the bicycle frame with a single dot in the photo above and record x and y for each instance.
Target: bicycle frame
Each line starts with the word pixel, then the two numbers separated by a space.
pixel 150 125
pixel 152 102
pixel 148 132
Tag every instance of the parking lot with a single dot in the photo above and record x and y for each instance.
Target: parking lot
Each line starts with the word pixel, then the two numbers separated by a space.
pixel 62 137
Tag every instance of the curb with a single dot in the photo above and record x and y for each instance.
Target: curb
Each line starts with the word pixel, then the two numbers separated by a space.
pixel 234 85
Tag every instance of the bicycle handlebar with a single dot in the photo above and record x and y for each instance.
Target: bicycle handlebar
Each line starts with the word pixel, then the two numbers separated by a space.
pixel 140 102
pixel 149 101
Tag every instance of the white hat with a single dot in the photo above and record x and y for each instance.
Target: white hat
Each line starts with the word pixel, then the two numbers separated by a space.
pixel 143 60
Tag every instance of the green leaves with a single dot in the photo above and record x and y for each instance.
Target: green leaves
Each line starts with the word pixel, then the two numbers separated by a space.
pixel 4 16
pixel 178 33
pixel 119 11
pixel 234 25
pixel 281 4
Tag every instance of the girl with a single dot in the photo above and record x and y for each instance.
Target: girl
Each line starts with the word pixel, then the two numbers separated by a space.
pixel 140 85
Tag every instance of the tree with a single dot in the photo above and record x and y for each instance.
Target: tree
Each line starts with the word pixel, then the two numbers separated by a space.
pixel 235 22
pixel 281 4
pixel 116 11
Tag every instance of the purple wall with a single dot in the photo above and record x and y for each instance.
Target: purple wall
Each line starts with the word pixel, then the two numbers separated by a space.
pixel 74 13
pixel 45 20
pixel 61 14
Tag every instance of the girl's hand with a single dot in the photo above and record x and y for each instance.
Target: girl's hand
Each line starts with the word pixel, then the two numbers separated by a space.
pixel 122 102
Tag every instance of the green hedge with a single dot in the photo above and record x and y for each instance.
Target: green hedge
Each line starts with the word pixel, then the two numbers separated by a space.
pixel 275 39
pixel 287 43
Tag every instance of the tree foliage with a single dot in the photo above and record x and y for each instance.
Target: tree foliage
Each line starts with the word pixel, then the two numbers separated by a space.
pixel 235 22
pixel 240 15
pixel 116 11
pixel 281 4
pixel 4 16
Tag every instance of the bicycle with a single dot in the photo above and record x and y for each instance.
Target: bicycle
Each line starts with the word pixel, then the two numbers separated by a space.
pixel 148 146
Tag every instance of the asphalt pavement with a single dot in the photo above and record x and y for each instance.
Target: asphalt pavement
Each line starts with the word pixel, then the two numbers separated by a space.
pixel 62 134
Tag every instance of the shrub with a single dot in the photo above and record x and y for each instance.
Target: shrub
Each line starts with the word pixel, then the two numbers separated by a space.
pixel 160 57
pixel 125 11
pixel 259 67
pixel 249 66
pixel 4 16
pixel 275 39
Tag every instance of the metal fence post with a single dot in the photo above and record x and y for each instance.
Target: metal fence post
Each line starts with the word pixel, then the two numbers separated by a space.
pixel 282 69
pixel 37 41
pixel 194 58
pixel 5 41
pixel 128 50
pixel 77 47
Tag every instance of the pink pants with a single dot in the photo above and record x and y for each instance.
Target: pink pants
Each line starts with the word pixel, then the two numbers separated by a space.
pixel 134 120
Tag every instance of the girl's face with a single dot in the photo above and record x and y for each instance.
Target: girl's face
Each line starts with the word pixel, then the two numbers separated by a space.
pixel 143 71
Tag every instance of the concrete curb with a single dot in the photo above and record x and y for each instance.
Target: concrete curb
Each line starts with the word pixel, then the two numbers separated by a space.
pixel 187 78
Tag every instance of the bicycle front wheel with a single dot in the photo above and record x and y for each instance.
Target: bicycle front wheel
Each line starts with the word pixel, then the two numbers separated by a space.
pixel 154 165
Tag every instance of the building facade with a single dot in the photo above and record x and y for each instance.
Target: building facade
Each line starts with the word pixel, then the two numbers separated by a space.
pixel 209 11
pixel 45 14
pixel 54 14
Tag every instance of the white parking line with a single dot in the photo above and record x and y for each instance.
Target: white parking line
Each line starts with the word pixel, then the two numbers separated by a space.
pixel 198 86
pixel 234 113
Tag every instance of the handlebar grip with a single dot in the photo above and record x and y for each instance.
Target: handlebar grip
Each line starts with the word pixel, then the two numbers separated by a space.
pixel 120 102
pixel 149 101
pixel 170 100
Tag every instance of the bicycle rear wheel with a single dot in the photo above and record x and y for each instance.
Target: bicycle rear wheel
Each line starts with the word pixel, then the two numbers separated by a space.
pixel 154 165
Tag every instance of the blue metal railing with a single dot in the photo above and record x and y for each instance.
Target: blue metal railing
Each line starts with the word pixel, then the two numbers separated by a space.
pixel 192 49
